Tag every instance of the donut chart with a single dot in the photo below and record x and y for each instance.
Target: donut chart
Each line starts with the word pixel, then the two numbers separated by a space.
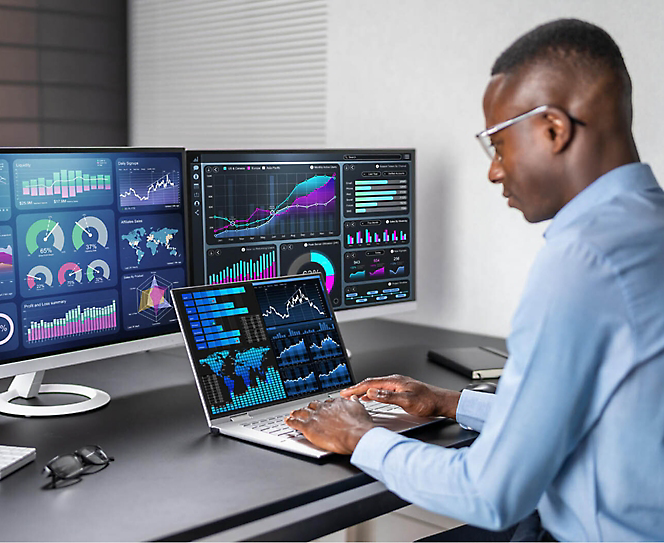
pixel 6 328
pixel 302 262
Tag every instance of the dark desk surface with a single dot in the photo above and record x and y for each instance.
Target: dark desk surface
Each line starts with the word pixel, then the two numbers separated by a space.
pixel 173 480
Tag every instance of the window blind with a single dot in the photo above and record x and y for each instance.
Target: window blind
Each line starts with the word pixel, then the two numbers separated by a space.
pixel 228 73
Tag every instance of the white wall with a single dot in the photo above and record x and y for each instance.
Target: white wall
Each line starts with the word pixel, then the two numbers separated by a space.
pixel 412 73
pixel 418 70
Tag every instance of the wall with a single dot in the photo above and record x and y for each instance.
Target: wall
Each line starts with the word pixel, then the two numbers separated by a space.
pixel 419 70
pixel 63 73
pixel 407 73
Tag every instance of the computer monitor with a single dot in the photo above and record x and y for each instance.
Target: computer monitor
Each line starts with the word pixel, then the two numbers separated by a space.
pixel 92 240
pixel 347 214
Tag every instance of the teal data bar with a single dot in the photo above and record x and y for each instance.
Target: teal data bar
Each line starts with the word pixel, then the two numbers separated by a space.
pixel 374 199
pixel 377 193
pixel 384 182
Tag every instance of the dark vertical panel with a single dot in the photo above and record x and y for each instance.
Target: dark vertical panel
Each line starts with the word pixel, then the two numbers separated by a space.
pixel 18 101
pixel 18 64
pixel 63 72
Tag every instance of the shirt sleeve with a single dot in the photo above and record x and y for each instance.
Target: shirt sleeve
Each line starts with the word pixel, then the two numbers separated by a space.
pixel 473 409
pixel 571 314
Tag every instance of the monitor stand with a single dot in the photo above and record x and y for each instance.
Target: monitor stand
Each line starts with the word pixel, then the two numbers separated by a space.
pixel 29 386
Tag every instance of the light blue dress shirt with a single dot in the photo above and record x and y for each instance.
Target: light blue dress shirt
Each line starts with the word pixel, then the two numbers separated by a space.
pixel 576 427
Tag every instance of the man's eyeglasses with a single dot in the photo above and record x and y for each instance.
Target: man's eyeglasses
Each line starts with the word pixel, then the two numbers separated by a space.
pixel 484 137
pixel 69 468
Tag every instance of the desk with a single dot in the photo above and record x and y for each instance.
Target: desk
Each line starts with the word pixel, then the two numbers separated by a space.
pixel 172 480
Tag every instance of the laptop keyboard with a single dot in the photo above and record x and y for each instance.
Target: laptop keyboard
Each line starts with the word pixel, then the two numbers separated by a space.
pixel 277 427
pixel 274 426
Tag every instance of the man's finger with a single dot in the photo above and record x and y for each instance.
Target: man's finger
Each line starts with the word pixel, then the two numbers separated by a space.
pixel 375 382
pixel 301 414
pixel 293 422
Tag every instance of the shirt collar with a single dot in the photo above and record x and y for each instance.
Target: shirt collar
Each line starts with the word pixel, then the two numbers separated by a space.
pixel 627 178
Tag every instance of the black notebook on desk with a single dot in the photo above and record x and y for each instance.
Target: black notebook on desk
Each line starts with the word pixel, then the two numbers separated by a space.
pixel 473 362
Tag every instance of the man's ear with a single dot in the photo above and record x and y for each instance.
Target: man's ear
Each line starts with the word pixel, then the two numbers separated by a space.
pixel 559 129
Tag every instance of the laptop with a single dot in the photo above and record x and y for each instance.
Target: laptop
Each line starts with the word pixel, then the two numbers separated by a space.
pixel 260 349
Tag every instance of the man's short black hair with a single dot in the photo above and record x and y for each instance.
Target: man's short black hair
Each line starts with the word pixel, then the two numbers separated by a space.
pixel 572 40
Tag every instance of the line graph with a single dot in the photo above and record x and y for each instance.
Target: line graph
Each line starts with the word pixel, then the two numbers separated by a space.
pixel 334 377
pixel 149 182
pixel 281 306
pixel 291 353
pixel 325 346
pixel 299 380
pixel 271 205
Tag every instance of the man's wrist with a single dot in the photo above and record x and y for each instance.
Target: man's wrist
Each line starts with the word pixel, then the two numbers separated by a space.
pixel 448 404
pixel 353 435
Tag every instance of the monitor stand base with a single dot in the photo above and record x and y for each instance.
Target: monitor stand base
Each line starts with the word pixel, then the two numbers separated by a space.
pixel 29 386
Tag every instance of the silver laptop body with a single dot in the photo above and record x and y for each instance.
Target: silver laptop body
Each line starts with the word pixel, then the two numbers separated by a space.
pixel 260 349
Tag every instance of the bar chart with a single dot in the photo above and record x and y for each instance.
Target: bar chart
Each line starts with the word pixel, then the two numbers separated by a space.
pixel 213 316
pixel 63 319
pixel 59 182
pixel 232 264
pixel 376 233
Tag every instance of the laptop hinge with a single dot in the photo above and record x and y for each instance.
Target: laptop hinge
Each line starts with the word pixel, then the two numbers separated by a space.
pixel 241 417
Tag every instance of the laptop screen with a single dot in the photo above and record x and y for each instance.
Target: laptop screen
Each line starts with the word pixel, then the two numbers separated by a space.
pixel 257 343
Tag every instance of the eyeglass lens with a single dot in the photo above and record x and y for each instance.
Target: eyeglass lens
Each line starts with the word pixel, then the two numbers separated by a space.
pixel 72 466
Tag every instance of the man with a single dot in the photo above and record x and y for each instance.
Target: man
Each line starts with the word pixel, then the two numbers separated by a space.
pixel 576 427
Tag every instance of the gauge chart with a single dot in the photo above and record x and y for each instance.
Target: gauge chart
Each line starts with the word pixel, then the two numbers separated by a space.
pixel 98 271
pixel 89 231
pixel 66 252
pixel 39 278
pixel 44 237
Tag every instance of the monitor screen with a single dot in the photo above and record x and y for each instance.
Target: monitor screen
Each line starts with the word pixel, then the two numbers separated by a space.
pixel 255 343
pixel 92 241
pixel 347 215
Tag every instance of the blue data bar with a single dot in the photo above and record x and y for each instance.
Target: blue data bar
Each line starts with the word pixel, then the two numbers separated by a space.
pixel 204 305
pixel 226 313
pixel 213 329
pixel 223 335
pixel 223 342
pixel 219 292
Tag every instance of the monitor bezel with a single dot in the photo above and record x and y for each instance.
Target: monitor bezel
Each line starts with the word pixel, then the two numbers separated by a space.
pixel 105 350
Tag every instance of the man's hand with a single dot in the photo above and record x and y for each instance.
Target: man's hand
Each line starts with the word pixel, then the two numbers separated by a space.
pixel 336 425
pixel 413 396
